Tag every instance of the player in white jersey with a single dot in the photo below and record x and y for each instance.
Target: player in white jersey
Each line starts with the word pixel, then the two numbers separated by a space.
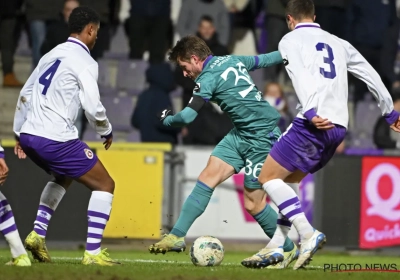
pixel 7 223
pixel 64 80
pixel 317 63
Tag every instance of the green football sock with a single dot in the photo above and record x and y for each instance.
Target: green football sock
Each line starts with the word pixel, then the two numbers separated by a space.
pixel 193 207
pixel 267 220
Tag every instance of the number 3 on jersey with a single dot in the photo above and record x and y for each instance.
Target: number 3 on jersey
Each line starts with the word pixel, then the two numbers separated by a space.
pixel 47 76
pixel 328 60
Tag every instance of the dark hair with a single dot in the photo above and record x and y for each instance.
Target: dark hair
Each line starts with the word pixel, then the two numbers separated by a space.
pixel 80 18
pixel 300 9
pixel 207 18
pixel 188 46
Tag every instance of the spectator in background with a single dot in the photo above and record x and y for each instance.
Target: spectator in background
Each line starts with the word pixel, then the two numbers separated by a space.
pixel 108 11
pixel 275 96
pixel 209 127
pixel 193 10
pixel 331 15
pixel 40 15
pixel 206 31
pixel 370 21
pixel 148 28
pixel 8 28
pixel 276 27
pixel 384 137
pixel 152 101
pixel 58 32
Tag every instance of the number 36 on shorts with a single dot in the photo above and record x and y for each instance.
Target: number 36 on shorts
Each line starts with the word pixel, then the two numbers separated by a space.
pixel 252 169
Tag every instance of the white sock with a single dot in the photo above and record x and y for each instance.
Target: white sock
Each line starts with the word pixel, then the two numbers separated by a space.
pixel 9 228
pixel 303 227
pixel 295 187
pixel 98 214
pixel 284 197
pixel 282 230
pixel 49 200
pixel 289 205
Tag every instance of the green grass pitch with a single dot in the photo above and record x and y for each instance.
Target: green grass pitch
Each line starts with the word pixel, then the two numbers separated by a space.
pixel 173 266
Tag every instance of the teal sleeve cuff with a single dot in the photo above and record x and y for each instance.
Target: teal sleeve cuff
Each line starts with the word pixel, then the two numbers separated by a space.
pixel 184 117
pixel 267 60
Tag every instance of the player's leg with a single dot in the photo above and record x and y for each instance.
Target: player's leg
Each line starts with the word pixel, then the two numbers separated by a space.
pixel 9 229
pixel 255 203
pixel 51 196
pixel 223 163
pixel 102 186
pixel 255 151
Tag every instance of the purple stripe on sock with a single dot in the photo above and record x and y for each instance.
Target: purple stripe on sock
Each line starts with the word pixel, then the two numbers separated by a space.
pixel 94 235
pixel 293 212
pixel 284 223
pixel 3 203
pixel 8 215
pixel 287 203
pixel 98 215
pixel 92 246
pixel 42 220
pixel 9 229
pixel 96 225
pixel 39 226
pixel 40 231
pixel 46 209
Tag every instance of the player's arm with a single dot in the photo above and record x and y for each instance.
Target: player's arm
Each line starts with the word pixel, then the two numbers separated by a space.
pixel 362 70
pixel 261 61
pixel 90 100
pixel 202 93
pixel 184 117
pixel 23 103
pixel 301 77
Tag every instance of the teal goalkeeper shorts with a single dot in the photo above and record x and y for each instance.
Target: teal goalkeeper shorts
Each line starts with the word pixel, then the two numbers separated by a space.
pixel 250 154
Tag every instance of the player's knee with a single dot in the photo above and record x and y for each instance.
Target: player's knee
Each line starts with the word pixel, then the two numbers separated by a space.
pixel 254 207
pixel 62 181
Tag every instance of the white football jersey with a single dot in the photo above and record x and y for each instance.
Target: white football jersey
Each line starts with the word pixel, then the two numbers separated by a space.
pixel 1 149
pixel 64 80
pixel 317 63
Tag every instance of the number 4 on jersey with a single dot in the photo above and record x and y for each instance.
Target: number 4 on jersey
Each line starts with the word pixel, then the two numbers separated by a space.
pixel 47 76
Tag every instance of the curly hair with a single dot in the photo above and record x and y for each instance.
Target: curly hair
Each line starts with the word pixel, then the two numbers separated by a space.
pixel 188 46
pixel 80 17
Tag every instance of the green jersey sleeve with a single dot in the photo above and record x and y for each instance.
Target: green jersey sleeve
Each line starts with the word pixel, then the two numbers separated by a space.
pixel 205 87
pixel 261 61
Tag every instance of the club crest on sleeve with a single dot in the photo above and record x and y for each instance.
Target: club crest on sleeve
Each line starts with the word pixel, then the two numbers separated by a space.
pixel 88 153
pixel 197 88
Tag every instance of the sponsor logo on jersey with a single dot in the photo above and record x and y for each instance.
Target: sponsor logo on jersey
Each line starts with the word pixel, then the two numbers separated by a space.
pixel 197 88
pixel 88 153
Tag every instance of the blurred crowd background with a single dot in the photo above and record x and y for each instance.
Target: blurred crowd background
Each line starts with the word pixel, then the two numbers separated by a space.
pixel 136 81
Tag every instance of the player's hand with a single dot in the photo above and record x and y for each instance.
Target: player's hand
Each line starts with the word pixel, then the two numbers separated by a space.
pixel 164 113
pixel 396 126
pixel 107 143
pixel 18 151
pixel 323 124
pixel 3 171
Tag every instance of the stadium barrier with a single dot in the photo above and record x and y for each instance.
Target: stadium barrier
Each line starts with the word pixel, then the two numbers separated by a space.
pixel 356 200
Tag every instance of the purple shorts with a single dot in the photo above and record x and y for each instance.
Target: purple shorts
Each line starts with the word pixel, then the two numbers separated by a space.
pixel 304 147
pixel 71 159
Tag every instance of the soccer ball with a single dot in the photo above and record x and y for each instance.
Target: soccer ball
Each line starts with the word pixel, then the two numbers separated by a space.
pixel 207 251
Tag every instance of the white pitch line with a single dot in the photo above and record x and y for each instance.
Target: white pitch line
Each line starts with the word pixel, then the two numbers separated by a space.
pixel 163 261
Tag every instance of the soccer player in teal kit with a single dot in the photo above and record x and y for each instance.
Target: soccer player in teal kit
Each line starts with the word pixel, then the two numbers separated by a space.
pixel 225 80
